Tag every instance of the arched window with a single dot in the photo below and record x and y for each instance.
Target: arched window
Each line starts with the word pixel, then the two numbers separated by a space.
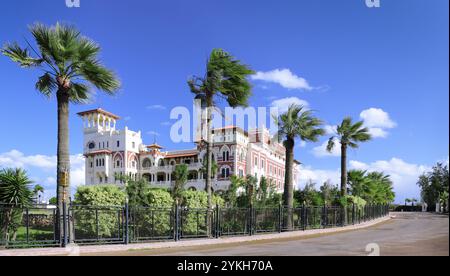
pixel 147 163
pixel 161 163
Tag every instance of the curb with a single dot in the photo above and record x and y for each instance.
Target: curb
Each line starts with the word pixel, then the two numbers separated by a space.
pixel 79 250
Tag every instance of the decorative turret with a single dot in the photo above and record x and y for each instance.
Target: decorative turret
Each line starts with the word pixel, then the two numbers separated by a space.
pixel 98 120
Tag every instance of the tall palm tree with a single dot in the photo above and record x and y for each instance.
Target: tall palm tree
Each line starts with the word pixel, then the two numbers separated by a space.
pixel 70 66
pixel 37 189
pixel 15 192
pixel 348 135
pixel 297 122
pixel 225 78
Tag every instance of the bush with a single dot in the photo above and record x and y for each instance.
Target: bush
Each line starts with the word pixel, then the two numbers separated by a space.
pixel 98 198
pixel 194 211
pixel 160 198
pixel 154 220
pixel 105 195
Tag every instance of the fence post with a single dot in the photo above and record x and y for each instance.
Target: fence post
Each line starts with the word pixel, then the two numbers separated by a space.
pixel 304 217
pixel 353 214
pixel 280 218
pixel 217 234
pixel 250 227
pixel 27 224
pixel 64 224
pixel 176 223
pixel 127 224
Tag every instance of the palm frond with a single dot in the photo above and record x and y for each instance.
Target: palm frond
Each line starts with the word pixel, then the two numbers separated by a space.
pixel 21 56
pixel 101 77
pixel 46 84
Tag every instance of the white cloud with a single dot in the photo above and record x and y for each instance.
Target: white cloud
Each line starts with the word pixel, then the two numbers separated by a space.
pixel 377 120
pixel 153 133
pixel 283 104
pixel 302 144
pixel 404 175
pixel 330 130
pixel 283 77
pixel 42 168
pixel 318 176
pixel 15 158
pixel 378 132
pixel 321 151
pixel 156 107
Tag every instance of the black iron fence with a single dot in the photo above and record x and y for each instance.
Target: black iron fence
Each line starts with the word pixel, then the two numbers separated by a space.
pixel 37 226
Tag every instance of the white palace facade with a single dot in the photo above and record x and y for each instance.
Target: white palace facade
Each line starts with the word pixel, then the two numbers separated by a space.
pixel 110 152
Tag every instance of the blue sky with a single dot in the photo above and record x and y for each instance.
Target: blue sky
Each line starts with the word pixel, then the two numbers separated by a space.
pixel 388 65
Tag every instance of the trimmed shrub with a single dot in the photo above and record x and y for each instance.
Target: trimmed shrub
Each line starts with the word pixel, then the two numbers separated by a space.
pixel 100 219
pixel 104 195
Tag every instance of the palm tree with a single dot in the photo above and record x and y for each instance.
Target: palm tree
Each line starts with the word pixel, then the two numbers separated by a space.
pixel 37 189
pixel 357 181
pixel 407 200
pixel 70 66
pixel 15 193
pixel 225 78
pixel 297 122
pixel 181 177
pixel 381 188
pixel 348 135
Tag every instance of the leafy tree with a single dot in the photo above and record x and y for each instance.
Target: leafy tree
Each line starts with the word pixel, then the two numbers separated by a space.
pixel 15 192
pixel 214 168
pixel 225 78
pixel 309 196
pixel 70 65
pixel 297 122
pixel 434 185
pixel 231 195
pixel 137 191
pixel 329 193
pixel 53 201
pixel 181 177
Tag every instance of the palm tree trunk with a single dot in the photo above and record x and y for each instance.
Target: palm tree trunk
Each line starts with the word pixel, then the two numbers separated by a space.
pixel 209 149
pixel 7 222
pixel 63 157
pixel 288 181
pixel 344 180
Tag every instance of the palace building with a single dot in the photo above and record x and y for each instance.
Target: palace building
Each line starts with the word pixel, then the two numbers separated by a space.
pixel 110 152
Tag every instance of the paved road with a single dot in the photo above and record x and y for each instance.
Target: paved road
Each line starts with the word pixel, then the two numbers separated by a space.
pixel 407 234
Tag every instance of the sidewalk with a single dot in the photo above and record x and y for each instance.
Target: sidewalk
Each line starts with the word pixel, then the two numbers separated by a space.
pixel 80 250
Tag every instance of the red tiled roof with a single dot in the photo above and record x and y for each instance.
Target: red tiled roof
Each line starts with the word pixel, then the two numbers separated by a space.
pixel 101 111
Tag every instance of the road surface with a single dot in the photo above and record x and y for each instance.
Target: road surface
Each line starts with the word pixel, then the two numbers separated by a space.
pixel 413 234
